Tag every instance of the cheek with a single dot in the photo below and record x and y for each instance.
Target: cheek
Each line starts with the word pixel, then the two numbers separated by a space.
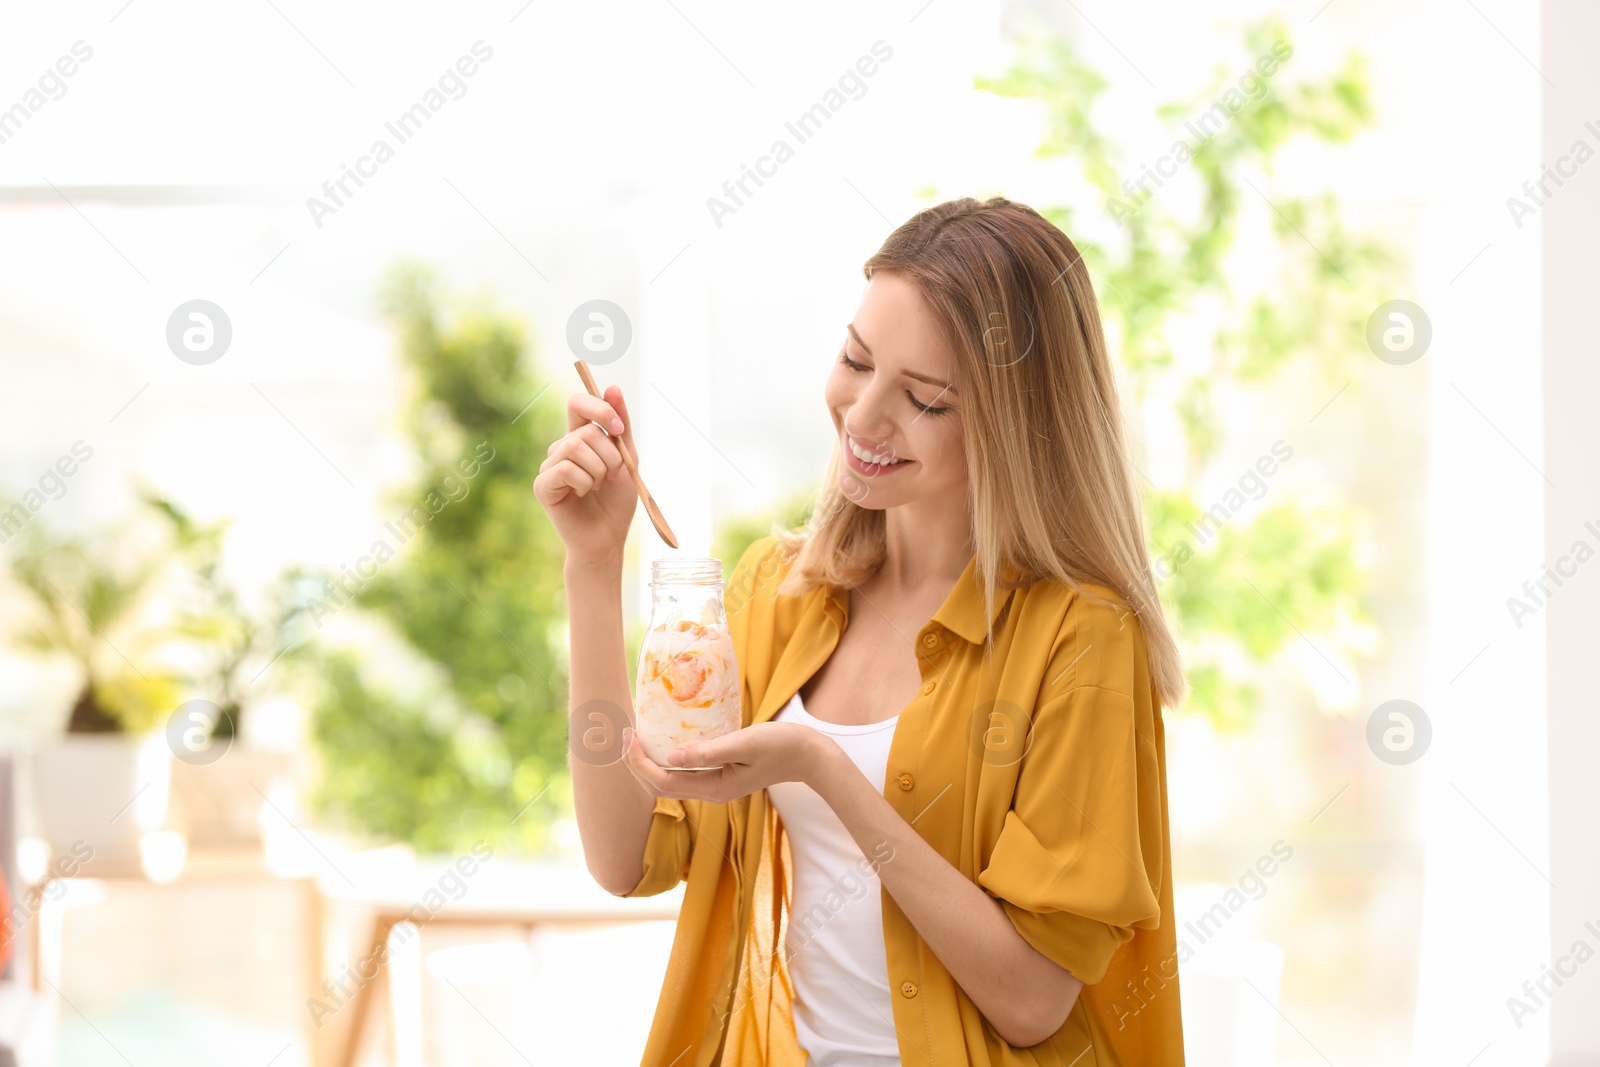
pixel 946 430
pixel 837 391
pixel 944 442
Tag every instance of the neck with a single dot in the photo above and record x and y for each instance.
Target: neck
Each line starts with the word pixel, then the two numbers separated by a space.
pixel 923 546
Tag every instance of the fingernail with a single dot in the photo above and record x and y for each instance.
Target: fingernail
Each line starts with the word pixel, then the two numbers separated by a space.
pixel 616 424
pixel 676 756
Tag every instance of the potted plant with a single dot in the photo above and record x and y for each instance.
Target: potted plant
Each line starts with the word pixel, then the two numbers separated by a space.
pixel 105 782
pixel 218 785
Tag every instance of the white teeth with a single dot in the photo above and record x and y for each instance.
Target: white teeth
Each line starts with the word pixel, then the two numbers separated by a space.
pixel 868 457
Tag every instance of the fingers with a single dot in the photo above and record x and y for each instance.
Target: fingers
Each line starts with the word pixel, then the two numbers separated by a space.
pixel 563 474
pixel 655 779
pixel 627 761
pixel 614 395
pixel 661 781
pixel 583 408
pixel 590 436
pixel 717 752
pixel 586 449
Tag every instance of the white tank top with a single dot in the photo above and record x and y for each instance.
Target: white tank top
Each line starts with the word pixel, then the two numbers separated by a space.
pixel 843 1010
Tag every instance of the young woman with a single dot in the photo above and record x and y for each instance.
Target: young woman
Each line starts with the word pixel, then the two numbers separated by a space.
pixel 941 836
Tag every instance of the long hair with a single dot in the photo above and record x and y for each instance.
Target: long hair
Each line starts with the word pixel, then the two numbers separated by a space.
pixel 1049 482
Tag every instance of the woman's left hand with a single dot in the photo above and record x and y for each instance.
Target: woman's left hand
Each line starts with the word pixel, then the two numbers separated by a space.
pixel 750 758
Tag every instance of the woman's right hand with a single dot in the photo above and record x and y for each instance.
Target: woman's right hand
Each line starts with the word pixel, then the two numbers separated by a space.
pixel 584 486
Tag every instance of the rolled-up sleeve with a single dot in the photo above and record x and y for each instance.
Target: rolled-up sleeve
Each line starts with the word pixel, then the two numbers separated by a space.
pixel 668 848
pixel 1080 859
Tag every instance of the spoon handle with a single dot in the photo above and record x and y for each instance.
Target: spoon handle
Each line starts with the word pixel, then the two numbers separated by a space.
pixel 656 518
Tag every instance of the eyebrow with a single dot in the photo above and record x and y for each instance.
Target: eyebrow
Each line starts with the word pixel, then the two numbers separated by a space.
pixel 907 373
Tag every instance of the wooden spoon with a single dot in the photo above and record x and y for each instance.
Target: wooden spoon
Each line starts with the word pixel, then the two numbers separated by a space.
pixel 650 508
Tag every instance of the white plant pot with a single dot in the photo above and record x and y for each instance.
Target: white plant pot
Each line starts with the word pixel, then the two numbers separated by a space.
pixel 102 792
pixel 218 805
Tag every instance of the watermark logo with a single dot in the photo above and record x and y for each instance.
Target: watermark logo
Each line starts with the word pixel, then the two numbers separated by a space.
pixel 1399 732
pixel 853 884
pixel 595 736
pixel 52 485
pixel 199 332
pixel 754 989
pixel 451 85
pixel 1552 974
pixel 24 910
pixel 192 733
pixel 1251 485
pixel 599 332
pixel 736 191
pixel 1138 992
pixel 51 86
pixel 1566 167
pixel 355 577
pixel 853 489
pixel 1250 87
pixel 1000 733
pixel 450 886
pixel 1539 590
pixel 999 346
pixel 1399 332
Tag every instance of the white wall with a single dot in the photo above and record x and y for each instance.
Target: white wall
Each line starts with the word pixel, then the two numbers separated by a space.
pixel 1505 872
pixel 1571 233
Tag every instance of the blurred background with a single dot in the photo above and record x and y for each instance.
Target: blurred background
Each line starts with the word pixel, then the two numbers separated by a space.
pixel 289 301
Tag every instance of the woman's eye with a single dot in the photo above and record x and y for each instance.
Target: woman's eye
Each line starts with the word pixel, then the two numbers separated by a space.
pixel 919 405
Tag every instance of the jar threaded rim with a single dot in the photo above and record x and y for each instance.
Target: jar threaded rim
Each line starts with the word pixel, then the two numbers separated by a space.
pixel 686 570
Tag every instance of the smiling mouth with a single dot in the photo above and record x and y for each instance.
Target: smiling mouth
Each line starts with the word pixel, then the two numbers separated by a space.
pixel 871 458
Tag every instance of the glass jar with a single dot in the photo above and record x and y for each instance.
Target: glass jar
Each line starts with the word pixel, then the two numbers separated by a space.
pixel 687 686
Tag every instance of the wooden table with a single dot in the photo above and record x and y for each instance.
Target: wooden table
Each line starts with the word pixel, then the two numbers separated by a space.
pixel 383 888
pixel 500 892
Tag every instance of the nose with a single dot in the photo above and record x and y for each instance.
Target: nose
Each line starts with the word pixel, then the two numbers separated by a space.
pixel 867 416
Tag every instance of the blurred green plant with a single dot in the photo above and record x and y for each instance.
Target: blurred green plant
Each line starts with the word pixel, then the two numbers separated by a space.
pixel 223 633
pixel 1165 276
pixel 94 594
pixel 457 732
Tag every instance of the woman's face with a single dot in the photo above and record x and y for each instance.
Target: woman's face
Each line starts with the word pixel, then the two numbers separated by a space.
pixel 893 400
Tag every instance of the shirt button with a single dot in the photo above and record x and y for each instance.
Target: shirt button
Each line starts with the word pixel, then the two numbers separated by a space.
pixel 928 688
pixel 906 781
pixel 908 989
pixel 930 640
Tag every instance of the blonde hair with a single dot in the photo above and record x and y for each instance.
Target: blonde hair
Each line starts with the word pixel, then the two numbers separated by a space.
pixel 1049 485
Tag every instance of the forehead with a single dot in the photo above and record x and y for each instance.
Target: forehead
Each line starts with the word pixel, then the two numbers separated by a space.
pixel 896 324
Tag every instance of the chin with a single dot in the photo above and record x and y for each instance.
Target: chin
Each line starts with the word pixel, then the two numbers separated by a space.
pixel 862 492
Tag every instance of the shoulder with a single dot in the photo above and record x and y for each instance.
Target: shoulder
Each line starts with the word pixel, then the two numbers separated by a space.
pixel 1093 635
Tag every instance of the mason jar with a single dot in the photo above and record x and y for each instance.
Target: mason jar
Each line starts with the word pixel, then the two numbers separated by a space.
pixel 687 687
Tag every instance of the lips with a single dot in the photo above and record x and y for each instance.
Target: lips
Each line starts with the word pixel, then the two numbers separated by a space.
pixel 867 465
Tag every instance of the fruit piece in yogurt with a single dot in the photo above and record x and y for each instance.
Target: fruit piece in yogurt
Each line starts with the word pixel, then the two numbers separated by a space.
pixel 688 689
pixel 685 676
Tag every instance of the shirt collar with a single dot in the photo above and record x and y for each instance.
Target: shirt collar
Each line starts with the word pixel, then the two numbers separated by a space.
pixel 961 613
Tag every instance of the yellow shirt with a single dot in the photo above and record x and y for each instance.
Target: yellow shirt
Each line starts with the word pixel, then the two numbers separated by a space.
pixel 1039 774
